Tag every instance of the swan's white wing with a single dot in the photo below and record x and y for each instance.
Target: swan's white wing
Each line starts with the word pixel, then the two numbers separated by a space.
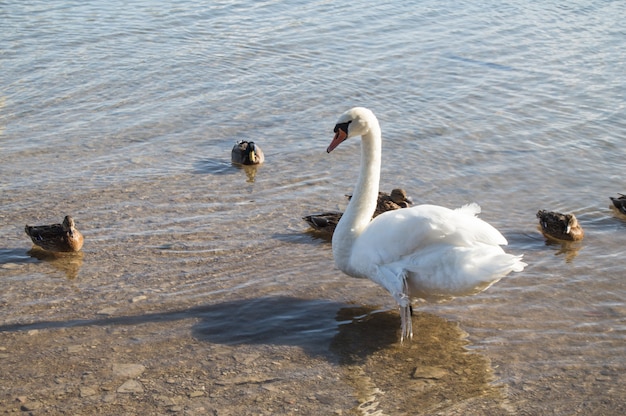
pixel 399 233
pixel 441 252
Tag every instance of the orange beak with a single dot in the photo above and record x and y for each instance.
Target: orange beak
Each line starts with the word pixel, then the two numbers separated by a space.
pixel 340 136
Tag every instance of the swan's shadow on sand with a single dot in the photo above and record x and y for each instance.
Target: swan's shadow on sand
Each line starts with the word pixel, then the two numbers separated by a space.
pixel 335 330
pixel 310 324
pixel 276 320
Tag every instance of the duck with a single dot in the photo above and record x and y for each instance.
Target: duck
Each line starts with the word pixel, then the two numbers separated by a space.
pixel 560 226
pixel 425 251
pixel 326 222
pixel 620 203
pixel 57 237
pixel 247 153
pixel 389 201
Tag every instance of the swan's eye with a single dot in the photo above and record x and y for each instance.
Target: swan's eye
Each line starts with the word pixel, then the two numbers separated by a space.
pixel 343 127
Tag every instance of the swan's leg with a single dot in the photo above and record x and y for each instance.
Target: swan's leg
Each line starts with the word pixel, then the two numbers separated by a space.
pixel 407 323
pixel 396 284
pixel 406 311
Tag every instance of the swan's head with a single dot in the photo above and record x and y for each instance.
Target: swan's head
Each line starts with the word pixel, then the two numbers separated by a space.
pixel 355 122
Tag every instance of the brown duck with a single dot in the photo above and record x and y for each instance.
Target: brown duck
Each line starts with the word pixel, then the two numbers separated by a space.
pixel 388 202
pixel 560 226
pixel 327 221
pixel 57 237
pixel 247 153
pixel 620 203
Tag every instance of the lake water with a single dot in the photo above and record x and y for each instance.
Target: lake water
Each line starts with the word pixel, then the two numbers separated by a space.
pixel 123 115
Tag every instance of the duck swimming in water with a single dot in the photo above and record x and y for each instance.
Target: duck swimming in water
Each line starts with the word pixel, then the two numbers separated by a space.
pixel 388 202
pixel 247 153
pixel 326 222
pixel 56 237
pixel 620 203
pixel 560 226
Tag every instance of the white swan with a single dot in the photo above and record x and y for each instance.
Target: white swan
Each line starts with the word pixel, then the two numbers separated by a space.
pixel 425 251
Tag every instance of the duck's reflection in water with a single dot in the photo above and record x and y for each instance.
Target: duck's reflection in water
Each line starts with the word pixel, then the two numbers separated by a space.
pixel 433 372
pixel 568 249
pixel 68 263
pixel 251 171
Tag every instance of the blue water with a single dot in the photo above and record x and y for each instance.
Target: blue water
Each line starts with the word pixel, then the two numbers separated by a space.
pixel 123 114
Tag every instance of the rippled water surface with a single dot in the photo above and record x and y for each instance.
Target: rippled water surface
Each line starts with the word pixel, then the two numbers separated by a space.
pixel 123 115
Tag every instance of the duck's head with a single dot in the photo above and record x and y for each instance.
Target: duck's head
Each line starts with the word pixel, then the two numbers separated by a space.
pixel 69 225
pixel 68 222
pixel 355 122
pixel 251 153
pixel 572 223
pixel 399 196
pixel 247 153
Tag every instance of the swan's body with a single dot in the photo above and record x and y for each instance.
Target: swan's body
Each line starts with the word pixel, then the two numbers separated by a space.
pixel 425 251
pixel 620 203
pixel 560 226
pixel 326 222
pixel 247 153
pixel 56 237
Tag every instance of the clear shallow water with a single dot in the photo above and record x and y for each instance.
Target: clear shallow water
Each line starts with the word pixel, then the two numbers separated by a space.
pixel 123 115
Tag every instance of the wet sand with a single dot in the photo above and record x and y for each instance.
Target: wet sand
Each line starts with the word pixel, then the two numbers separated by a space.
pixel 161 363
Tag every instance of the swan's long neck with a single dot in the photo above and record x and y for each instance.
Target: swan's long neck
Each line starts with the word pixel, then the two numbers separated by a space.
pixel 362 205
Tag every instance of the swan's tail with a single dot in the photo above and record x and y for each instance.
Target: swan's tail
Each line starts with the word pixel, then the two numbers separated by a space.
pixel 505 264
pixel 519 265
pixel 472 209
pixel 475 230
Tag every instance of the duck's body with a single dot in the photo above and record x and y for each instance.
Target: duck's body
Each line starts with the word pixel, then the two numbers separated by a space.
pixel 247 153
pixel 388 202
pixel 620 203
pixel 326 222
pixel 560 226
pixel 56 237
pixel 425 251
